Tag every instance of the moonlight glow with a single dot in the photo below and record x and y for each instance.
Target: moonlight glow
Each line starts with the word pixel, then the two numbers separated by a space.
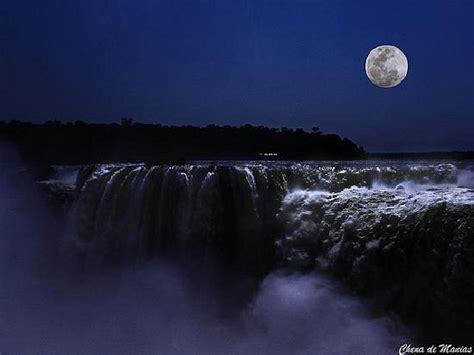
pixel 386 66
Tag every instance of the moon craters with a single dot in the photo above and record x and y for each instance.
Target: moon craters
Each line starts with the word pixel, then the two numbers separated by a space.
pixel 386 66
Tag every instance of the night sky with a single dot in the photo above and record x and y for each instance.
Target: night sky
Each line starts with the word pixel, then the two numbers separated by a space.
pixel 275 63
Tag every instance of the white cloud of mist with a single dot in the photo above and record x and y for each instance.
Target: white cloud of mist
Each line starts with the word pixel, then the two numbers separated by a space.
pixel 157 307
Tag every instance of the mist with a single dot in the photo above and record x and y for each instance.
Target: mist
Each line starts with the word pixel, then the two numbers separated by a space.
pixel 160 306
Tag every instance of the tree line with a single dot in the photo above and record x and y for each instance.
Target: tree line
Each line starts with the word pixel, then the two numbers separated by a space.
pixel 57 142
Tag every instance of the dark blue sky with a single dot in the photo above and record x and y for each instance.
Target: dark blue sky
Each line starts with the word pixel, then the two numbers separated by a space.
pixel 277 63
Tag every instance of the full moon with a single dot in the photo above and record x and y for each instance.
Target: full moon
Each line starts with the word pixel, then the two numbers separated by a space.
pixel 386 66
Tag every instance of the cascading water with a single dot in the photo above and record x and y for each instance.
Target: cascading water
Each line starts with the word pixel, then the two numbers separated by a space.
pixel 410 250
pixel 400 232
pixel 142 211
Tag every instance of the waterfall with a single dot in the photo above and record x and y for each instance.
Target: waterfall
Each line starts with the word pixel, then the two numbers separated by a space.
pixel 241 211
pixel 144 211
pixel 400 233
pixel 409 250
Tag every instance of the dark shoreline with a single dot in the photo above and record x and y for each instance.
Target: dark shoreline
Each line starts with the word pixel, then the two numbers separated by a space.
pixel 57 142
pixel 74 143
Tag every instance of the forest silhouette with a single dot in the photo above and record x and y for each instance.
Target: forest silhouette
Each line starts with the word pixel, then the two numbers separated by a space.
pixel 57 142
